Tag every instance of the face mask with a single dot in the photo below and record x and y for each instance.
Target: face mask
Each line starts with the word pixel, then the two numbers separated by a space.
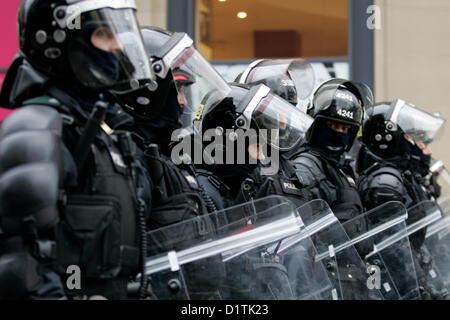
pixel 331 139
pixel 404 147
pixel 416 151
pixel 173 109
pixel 108 65
pixel 107 62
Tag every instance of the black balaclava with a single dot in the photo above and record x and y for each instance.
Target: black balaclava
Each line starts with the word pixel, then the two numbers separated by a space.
pixel 404 147
pixel 329 142
pixel 401 157
pixel 420 163
pixel 107 62
pixel 416 151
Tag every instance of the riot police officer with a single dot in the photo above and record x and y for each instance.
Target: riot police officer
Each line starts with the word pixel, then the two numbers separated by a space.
pixel 268 126
pixel 390 151
pixel 392 167
pixel 156 120
pixel 244 129
pixel 292 80
pixel 320 164
pixel 68 185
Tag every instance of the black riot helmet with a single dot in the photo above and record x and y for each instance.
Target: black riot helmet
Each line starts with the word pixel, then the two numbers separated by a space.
pixel 391 128
pixel 149 102
pixel 256 108
pixel 93 43
pixel 242 126
pixel 291 79
pixel 340 101
pixel 180 69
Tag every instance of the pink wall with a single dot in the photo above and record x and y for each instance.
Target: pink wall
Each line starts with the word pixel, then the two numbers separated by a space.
pixel 8 31
pixel 2 76
pixel 9 39
pixel 3 112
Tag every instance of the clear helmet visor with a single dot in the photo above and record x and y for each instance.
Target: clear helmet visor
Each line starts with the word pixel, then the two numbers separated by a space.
pixel 196 81
pixel 420 125
pixel 366 94
pixel 292 79
pixel 284 124
pixel 329 92
pixel 108 51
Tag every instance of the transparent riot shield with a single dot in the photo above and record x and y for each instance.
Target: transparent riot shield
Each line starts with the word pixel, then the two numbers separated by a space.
pixel 336 252
pixel 380 236
pixel 439 170
pixel 420 217
pixel 444 204
pixel 437 241
pixel 237 255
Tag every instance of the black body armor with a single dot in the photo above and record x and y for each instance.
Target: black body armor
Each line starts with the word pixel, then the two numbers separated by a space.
pixel 81 206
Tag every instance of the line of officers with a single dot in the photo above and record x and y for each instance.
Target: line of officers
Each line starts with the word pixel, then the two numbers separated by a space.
pixel 86 165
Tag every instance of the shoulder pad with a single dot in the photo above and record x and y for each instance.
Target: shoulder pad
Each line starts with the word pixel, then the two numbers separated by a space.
pixel 308 169
pixel 32 117
pixel 294 152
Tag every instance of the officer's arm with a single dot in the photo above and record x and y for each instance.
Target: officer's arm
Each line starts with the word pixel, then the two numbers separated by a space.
pixel 30 178
pixel 309 175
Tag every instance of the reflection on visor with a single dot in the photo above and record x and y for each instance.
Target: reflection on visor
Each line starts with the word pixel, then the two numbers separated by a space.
pixel 418 124
pixel 196 79
pixel 292 79
pixel 302 74
pixel 289 123
pixel 184 57
pixel 326 94
pixel 109 52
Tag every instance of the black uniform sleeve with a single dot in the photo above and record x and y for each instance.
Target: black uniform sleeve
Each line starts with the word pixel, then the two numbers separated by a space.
pixel 310 175
pixel 31 167
pixel 31 170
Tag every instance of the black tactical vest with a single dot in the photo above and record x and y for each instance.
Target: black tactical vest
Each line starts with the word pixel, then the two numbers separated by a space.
pixel 284 183
pixel 334 184
pixel 99 214
pixel 180 200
